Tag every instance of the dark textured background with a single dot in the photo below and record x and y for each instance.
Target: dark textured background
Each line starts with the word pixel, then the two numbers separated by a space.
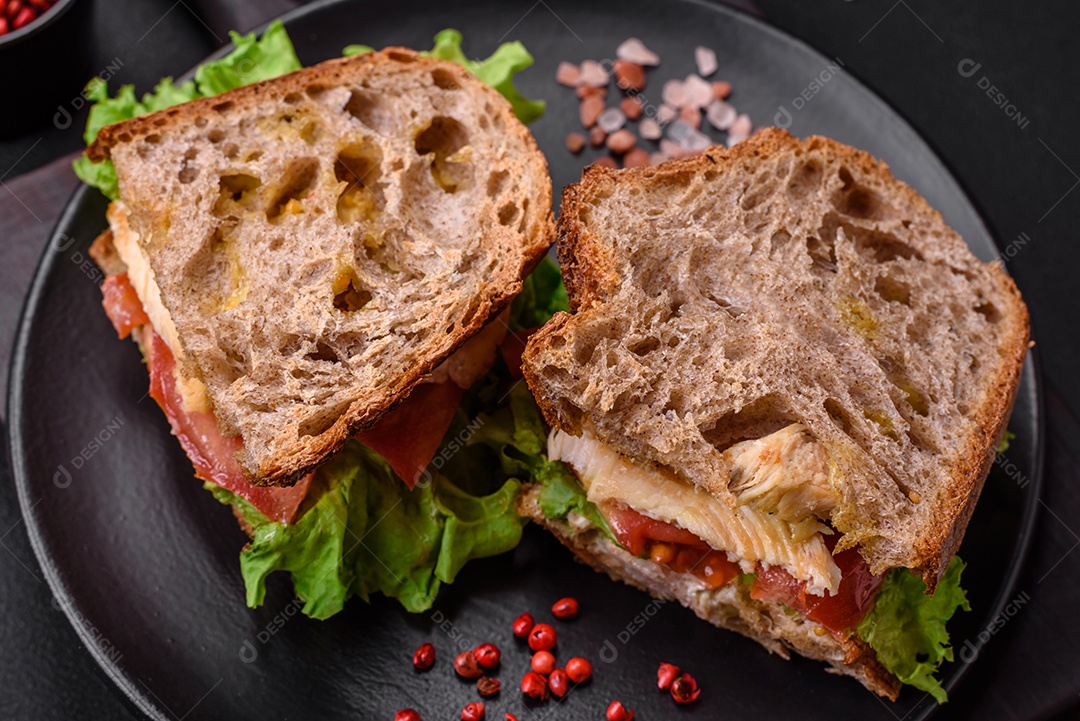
pixel 908 51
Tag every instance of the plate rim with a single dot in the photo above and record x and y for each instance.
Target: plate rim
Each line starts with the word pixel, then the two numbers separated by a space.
pixel 15 401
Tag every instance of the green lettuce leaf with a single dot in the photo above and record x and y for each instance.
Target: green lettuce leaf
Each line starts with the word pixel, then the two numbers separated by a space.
pixel 907 628
pixel 252 60
pixel 542 295
pixel 497 71
pixel 561 493
pixel 1005 441
pixel 367 533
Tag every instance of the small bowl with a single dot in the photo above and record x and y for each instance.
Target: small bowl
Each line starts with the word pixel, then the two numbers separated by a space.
pixel 46 65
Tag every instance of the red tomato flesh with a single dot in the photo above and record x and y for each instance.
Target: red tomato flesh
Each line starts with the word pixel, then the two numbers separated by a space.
pixel 677 548
pixel 122 304
pixel 211 453
pixel 839 613
pixel 408 436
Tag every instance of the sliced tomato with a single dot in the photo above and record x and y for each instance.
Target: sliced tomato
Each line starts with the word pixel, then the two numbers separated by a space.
pixel 210 452
pixel 511 348
pixel 839 613
pixel 716 570
pixel 677 548
pixel 408 436
pixel 122 304
pixel 635 530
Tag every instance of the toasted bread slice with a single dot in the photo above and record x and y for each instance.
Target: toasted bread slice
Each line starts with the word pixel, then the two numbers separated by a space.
pixel 311 246
pixel 728 607
pixel 721 298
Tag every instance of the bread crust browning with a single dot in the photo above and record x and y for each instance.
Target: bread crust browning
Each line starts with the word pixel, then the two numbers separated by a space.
pixel 591 273
pixel 291 455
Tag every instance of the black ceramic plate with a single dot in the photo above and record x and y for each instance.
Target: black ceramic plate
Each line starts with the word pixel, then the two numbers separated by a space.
pixel 144 561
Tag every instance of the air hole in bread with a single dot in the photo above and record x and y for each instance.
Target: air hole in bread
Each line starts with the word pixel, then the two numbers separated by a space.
pixel 153 139
pixel 222 107
pixel 444 79
pixel 756 419
pixel 276 243
pixel 989 311
pixel 294 185
pixel 778 242
pixel 293 98
pixel 230 150
pixel 349 297
pixel 644 346
pixel 892 289
pixel 879 246
pixel 215 135
pixel 191 153
pixel 350 344
pixel 359 166
pixel 507 213
pixel 856 201
pixel 497 183
pixel 251 156
pixel 289 344
pixel 160 122
pixel 188 173
pixel 524 215
pixel 725 305
pixel 309 133
pixel 236 363
pixel 236 193
pixel 882 421
pixel 323 352
pixel 401 56
pixel 314 91
pixel 123 137
pixel 840 416
pixel 912 396
pixel 756 194
pixel 441 139
pixel 385 250
pixel 367 107
pixel 806 180
pixel 922 442
pixel 318 423
pixel 822 250
pixel 485 124
pixel 201 121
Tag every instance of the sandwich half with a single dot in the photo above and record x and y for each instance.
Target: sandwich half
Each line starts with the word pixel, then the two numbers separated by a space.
pixel 310 247
pixel 326 258
pixel 780 387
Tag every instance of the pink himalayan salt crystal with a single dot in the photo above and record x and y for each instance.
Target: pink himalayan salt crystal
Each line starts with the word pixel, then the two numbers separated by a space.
pixel 674 94
pixel 721 115
pixel 621 141
pixel 593 74
pixel 611 120
pixel 665 114
pixel 650 129
pixel 706 61
pixel 741 126
pixel 698 90
pixel 568 74
pixel 634 51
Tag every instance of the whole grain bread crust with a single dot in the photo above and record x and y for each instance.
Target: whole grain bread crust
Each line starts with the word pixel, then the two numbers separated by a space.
pixel 590 274
pixel 307 453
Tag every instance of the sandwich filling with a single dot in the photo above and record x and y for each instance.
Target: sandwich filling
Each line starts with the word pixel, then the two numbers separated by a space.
pixel 750 532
